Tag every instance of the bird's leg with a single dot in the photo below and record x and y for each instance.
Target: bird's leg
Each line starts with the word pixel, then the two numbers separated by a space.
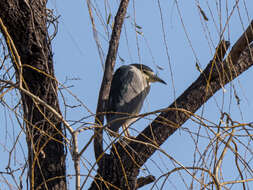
pixel 125 130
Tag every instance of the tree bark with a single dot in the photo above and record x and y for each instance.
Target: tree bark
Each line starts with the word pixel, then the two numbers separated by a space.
pixel 26 22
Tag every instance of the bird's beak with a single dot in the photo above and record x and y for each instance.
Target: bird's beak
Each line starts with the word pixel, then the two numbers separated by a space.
pixel 155 78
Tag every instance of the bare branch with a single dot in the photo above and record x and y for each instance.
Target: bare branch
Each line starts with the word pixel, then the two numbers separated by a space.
pixel 107 78
pixel 238 60
pixel 142 181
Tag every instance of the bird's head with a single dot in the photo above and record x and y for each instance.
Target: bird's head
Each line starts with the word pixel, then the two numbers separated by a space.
pixel 148 73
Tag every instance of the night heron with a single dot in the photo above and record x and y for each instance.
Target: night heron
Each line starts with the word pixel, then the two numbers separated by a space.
pixel 129 88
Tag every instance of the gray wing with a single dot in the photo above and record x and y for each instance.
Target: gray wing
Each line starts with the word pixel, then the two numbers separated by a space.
pixel 126 96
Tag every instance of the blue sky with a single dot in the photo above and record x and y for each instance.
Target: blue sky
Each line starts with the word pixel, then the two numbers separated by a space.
pixel 78 66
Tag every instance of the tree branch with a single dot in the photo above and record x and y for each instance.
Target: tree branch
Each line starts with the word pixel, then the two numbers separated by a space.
pixel 107 78
pixel 142 181
pixel 213 78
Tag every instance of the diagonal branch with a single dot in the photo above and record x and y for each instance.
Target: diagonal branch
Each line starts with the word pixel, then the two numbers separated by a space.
pixel 213 78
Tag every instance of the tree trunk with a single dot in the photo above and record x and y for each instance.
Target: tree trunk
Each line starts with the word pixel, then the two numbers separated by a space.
pixel 26 22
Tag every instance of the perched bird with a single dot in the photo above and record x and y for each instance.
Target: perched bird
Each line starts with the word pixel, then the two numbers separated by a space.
pixel 129 88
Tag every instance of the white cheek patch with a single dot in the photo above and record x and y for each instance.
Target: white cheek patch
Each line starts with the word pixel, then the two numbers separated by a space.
pixel 140 78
